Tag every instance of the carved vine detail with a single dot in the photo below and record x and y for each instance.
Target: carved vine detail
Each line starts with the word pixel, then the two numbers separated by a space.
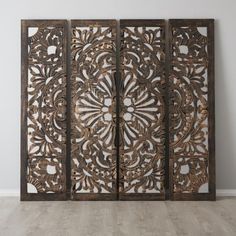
pixel 142 110
pixel 189 108
pixel 93 110
pixel 46 120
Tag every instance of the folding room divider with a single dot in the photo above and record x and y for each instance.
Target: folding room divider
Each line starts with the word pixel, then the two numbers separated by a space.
pixel 117 110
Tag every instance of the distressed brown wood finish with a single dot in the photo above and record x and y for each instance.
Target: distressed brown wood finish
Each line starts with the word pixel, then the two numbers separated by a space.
pixel 139 124
pixel 191 110
pixel 43 110
pixel 142 110
pixel 93 110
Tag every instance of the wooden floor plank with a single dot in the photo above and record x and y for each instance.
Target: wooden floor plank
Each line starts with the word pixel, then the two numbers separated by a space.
pixel 118 218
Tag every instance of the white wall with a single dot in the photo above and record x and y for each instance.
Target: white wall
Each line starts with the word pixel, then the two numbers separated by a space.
pixel 11 11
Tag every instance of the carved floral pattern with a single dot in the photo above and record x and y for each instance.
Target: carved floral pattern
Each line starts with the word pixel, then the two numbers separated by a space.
pixel 189 108
pixel 46 110
pixel 142 110
pixel 93 110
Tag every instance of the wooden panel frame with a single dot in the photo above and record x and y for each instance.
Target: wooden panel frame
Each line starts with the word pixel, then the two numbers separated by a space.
pixel 146 196
pixel 96 196
pixel 25 24
pixel 211 195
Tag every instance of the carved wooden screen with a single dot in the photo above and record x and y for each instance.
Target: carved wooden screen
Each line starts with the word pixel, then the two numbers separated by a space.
pixel 117 112
pixel 142 110
pixel 191 109
pixel 43 147
pixel 93 110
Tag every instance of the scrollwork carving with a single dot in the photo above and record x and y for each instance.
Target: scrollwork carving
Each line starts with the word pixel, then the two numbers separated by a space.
pixel 142 110
pixel 46 120
pixel 93 109
pixel 189 108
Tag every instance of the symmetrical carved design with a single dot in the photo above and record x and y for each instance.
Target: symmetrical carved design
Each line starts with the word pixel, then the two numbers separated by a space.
pixel 93 104
pixel 118 144
pixel 46 111
pixel 142 109
pixel 189 108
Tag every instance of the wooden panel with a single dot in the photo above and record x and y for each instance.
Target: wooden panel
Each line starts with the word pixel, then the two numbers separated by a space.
pixel 191 106
pixel 129 151
pixel 93 110
pixel 142 110
pixel 43 124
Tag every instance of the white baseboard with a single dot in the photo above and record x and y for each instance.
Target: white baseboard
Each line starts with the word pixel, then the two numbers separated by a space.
pixel 219 193
pixel 226 192
pixel 9 193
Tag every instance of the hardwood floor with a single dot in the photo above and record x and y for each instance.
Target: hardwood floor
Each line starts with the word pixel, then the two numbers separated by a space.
pixel 117 218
